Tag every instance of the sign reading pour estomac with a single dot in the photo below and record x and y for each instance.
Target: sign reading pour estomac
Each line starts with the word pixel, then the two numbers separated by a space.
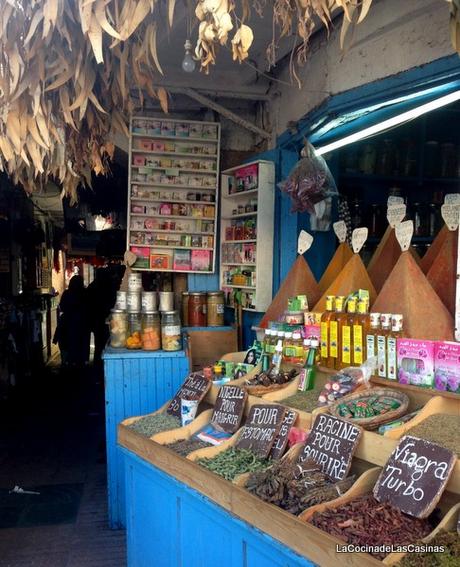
pixel 331 444
pixel 195 387
pixel 415 476
pixel 261 428
pixel 228 409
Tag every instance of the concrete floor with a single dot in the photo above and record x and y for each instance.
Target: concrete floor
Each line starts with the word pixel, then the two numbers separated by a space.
pixel 52 432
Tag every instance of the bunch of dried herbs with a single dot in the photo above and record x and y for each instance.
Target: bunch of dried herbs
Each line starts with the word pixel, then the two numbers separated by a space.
pixel 156 423
pixel 187 446
pixel 232 462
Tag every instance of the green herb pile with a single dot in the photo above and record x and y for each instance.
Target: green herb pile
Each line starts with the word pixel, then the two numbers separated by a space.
pixel 232 462
pixel 151 424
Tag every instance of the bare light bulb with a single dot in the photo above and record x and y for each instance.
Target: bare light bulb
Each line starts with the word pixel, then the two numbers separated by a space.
pixel 188 63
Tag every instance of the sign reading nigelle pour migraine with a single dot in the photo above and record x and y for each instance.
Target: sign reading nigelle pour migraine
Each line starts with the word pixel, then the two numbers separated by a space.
pixel 261 428
pixel 195 387
pixel 229 408
pixel 415 476
pixel 331 444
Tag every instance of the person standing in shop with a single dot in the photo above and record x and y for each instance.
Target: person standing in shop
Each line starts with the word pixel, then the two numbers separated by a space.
pixel 73 330
pixel 101 298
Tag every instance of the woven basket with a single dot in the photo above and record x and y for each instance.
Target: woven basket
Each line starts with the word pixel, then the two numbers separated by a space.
pixel 261 390
pixel 376 421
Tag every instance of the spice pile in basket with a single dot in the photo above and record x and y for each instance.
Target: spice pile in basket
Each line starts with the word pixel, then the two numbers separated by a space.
pixel 441 429
pixel 186 446
pixel 151 424
pixel 232 462
pixel 450 557
pixel 304 401
pixel 365 521
pixel 284 485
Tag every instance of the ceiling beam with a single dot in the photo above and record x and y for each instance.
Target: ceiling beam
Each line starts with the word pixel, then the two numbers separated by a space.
pixel 206 101
pixel 241 92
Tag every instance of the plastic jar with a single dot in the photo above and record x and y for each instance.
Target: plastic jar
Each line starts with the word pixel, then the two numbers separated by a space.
pixel 197 309
pixel 185 298
pixel 215 308
pixel 135 329
pixel 118 328
pixel 151 330
pixel 171 331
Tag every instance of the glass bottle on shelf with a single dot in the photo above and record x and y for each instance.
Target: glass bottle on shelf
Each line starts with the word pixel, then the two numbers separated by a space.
pixel 324 329
pixel 367 159
pixel 347 334
pixel 134 340
pixel 385 330
pixel 395 333
pixel 371 337
pixel 335 333
pixel 431 158
pixel 360 330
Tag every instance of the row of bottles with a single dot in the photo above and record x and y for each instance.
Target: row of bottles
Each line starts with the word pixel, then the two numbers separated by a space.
pixel 385 329
pixel 343 333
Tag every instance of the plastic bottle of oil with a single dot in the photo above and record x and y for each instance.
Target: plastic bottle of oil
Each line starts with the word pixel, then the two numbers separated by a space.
pixel 393 336
pixel 287 347
pixel 384 332
pixel 371 337
pixel 335 334
pixel 324 329
pixel 347 335
pixel 360 331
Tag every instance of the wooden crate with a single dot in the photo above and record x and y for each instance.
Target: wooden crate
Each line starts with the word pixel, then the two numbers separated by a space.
pixel 207 345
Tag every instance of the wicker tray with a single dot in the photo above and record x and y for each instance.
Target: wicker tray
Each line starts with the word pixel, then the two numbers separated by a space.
pixel 376 421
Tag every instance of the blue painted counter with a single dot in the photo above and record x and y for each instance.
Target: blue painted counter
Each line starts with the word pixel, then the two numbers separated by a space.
pixel 136 383
pixel 172 525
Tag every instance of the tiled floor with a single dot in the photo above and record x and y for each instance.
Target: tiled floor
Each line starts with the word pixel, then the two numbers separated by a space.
pixel 53 433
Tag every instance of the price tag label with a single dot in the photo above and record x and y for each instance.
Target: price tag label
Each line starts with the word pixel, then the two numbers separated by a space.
pixel 396 214
pixel 404 232
pixel 358 239
pixel 340 229
pixel 304 242
pixel 450 214
pixel 415 476
pixel 452 199
pixel 392 200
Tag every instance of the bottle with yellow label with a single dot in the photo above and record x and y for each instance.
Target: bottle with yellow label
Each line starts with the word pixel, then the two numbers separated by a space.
pixel 347 335
pixel 360 331
pixel 335 334
pixel 324 329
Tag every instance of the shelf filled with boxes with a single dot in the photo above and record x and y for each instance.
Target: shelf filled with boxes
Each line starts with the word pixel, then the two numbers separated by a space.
pixel 246 249
pixel 173 191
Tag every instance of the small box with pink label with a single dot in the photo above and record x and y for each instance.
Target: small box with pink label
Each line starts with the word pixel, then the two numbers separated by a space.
pixel 416 362
pixel 447 366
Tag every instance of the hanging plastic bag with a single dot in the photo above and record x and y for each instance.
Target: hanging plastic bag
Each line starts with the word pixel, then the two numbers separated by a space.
pixel 309 182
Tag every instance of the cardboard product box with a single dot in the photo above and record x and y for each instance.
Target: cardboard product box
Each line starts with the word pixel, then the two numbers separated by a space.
pixel 447 366
pixel 161 261
pixel 415 360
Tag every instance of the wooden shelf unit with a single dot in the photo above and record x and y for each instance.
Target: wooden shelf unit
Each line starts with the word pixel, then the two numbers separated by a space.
pixel 152 181
pixel 260 193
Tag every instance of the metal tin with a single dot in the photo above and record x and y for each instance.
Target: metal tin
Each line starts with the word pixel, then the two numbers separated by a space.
pixel 197 309
pixel 149 301
pixel 185 298
pixel 120 303
pixel 215 308
pixel 166 301
pixel 133 301
pixel 135 281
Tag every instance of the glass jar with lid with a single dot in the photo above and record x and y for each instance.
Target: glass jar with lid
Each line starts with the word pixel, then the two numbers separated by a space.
pixel 171 331
pixel 151 330
pixel 118 328
pixel 134 340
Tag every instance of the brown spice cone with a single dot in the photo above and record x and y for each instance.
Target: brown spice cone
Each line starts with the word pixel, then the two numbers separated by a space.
pixel 338 262
pixel 408 291
pixel 385 257
pixel 443 272
pixel 427 261
pixel 353 277
pixel 299 281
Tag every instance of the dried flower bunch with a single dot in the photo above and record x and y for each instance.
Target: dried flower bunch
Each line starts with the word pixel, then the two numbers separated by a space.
pixel 69 68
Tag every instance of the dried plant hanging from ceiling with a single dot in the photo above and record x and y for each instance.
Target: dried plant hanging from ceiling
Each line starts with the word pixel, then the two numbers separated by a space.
pixel 68 68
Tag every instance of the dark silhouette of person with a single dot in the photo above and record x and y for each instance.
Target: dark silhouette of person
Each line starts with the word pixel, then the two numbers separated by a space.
pixel 73 330
pixel 101 298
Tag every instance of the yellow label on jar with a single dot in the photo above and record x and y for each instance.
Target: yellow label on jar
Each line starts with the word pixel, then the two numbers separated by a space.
pixel 357 344
pixel 333 338
pixel 324 340
pixel 346 344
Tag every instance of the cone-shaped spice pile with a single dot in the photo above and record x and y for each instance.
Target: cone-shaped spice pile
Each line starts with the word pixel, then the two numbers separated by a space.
pixel 299 281
pixel 353 277
pixel 339 260
pixel 408 291
pixel 443 272
pixel 385 257
pixel 427 261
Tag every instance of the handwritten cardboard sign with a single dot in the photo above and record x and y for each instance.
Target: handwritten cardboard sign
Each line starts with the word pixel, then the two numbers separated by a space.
pixel 452 199
pixel 396 214
pixel 393 200
pixel 229 408
pixel 358 238
pixel 261 429
pixel 331 444
pixel 415 476
pixel 304 242
pixel 450 215
pixel 404 231
pixel 340 229
pixel 195 387
pixel 281 441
